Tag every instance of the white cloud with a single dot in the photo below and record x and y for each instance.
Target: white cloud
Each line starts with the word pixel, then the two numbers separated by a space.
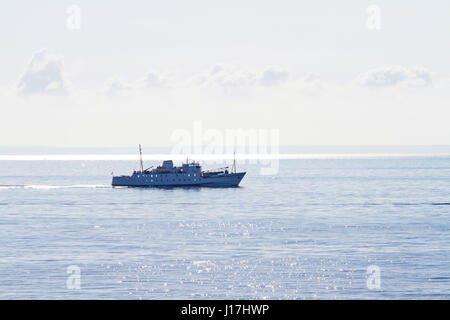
pixel 116 87
pixel 396 76
pixel 313 84
pixel 152 79
pixel 155 80
pixel 43 75
pixel 226 75
pixel 273 76
pixel 232 76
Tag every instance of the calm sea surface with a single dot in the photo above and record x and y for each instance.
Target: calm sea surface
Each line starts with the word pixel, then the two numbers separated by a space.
pixel 309 232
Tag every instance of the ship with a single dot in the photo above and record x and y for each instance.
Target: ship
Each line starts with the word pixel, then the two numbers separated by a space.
pixel 189 174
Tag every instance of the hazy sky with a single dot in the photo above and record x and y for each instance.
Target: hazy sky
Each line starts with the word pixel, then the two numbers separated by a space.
pixel 118 73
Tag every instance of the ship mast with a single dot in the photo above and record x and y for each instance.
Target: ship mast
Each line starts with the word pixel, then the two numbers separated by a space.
pixel 140 153
pixel 234 161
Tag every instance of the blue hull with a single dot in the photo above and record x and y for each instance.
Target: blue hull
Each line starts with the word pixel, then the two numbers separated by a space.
pixel 146 180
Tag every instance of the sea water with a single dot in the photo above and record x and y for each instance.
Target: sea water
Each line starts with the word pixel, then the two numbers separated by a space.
pixel 317 229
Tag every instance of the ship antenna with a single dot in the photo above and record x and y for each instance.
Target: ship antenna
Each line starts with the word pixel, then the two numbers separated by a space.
pixel 234 161
pixel 140 153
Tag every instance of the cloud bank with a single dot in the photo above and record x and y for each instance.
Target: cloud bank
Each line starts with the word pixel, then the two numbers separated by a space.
pixel 236 76
pixel 392 76
pixel 44 74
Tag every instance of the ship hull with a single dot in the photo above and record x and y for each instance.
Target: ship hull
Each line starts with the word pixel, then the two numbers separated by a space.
pixel 214 181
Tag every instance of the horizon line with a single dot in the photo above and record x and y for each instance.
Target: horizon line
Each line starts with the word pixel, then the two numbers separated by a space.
pixel 206 157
